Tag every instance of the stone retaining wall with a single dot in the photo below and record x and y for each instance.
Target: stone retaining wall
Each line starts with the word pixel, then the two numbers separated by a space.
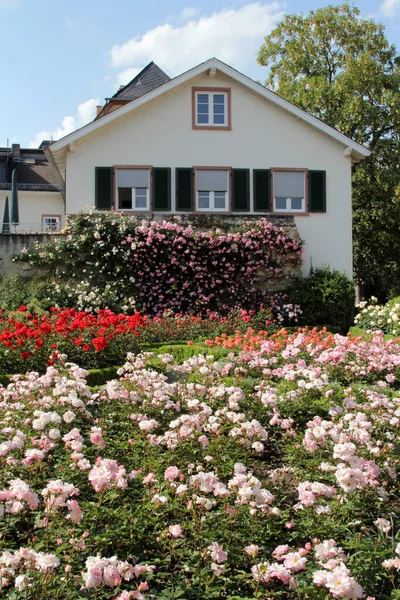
pixel 11 244
pixel 14 243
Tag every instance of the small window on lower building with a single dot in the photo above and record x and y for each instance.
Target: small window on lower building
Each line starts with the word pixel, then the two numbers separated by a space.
pixel 51 223
pixel 289 191
pixel 212 190
pixel 133 189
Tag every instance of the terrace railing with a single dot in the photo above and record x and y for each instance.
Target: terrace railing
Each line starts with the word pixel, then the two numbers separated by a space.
pixel 12 228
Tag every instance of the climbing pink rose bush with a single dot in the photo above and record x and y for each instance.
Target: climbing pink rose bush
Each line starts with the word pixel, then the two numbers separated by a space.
pixel 163 265
pixel 271 472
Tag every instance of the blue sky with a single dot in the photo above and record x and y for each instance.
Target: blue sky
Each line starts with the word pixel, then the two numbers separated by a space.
pixel 60 58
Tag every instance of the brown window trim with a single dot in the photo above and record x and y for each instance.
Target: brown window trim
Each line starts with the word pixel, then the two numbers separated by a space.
pixel 227 127
pixel 290 214
pixel 128 211
pixel 211 212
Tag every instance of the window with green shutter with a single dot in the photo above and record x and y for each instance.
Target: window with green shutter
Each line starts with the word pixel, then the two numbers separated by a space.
pixel 184 188
pixel 104 188
pixel 317 191
pixel 289 190
pixel 161 189
pixel 262 190
pixel 240 190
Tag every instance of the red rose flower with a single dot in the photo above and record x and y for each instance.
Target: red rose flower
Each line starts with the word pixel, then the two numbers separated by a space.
pixel 99 343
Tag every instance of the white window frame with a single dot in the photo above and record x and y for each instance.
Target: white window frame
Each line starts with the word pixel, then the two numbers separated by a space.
pixel 211 93
pixel 212 194
pixel 133 207
pixel 56 218
pixel 289 209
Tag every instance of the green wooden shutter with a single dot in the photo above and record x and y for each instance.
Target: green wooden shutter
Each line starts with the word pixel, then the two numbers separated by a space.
pixel 104 188
pixel 161 188
pixel 262 190
pixel 240 190
pixel 184 188
pixel 317 191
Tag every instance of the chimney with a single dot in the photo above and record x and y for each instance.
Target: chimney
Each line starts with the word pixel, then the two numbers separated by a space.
pixel 16 151
pixel 98 110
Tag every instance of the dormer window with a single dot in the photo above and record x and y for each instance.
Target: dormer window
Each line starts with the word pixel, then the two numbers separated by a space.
pixel 211 108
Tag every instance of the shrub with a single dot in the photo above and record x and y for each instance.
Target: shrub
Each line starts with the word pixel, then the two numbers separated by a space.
pixel 31 341
pixel 16 290
pixel 165 265
pixel 373 317
pixel 40 293
pixel 268 474
pixel 326 297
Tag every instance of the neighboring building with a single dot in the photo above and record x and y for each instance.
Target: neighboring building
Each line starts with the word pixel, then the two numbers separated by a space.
pixel 41 205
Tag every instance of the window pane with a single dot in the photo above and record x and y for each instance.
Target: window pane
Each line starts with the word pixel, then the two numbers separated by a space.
pixel 297 203
pixel 219 200
pixel 125 198
pixel 219 109
pixel 280 203
pixel 140 202
pixel 203 98
pixel 219 119
pixel 202 118
pixel 219 99
pixel 51 223
pixel 203 200
pixel 202 109
pixel 140 198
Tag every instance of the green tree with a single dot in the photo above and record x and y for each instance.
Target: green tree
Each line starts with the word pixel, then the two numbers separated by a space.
pixel 342 69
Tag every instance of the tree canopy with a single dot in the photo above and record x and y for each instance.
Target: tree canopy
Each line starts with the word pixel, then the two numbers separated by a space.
pixel 342 69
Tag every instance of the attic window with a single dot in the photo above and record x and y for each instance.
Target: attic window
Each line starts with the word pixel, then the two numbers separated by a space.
pixel 211 108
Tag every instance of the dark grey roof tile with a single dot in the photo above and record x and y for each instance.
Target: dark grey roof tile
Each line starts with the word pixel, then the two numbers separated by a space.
pixel 150 78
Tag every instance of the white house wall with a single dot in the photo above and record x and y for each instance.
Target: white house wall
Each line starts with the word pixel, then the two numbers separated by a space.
pixel 262 136
pixel 33 206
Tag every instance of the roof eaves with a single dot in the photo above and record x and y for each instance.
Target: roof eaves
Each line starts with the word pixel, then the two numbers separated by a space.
pixel 231 72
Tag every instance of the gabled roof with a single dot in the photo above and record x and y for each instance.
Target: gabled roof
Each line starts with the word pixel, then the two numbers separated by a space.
pixel 59 149
pixel 150 78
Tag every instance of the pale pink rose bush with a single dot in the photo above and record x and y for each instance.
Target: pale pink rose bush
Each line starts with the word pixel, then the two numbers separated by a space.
pixel 268 473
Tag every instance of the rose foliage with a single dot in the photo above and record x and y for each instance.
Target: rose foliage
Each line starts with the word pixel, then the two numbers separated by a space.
pixel 272 473
pixel 164 265
pixel 32 341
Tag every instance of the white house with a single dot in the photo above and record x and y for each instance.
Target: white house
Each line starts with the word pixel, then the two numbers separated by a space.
pixel 40 202
pixel 212 141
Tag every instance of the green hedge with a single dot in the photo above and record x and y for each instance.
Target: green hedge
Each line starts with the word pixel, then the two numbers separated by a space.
pixel 326 297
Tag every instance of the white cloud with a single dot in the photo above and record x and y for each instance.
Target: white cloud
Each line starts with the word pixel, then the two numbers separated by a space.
pixel 389 7
pixel 8 3
pixel 188 13
pixel 234 36
pixel 84 113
